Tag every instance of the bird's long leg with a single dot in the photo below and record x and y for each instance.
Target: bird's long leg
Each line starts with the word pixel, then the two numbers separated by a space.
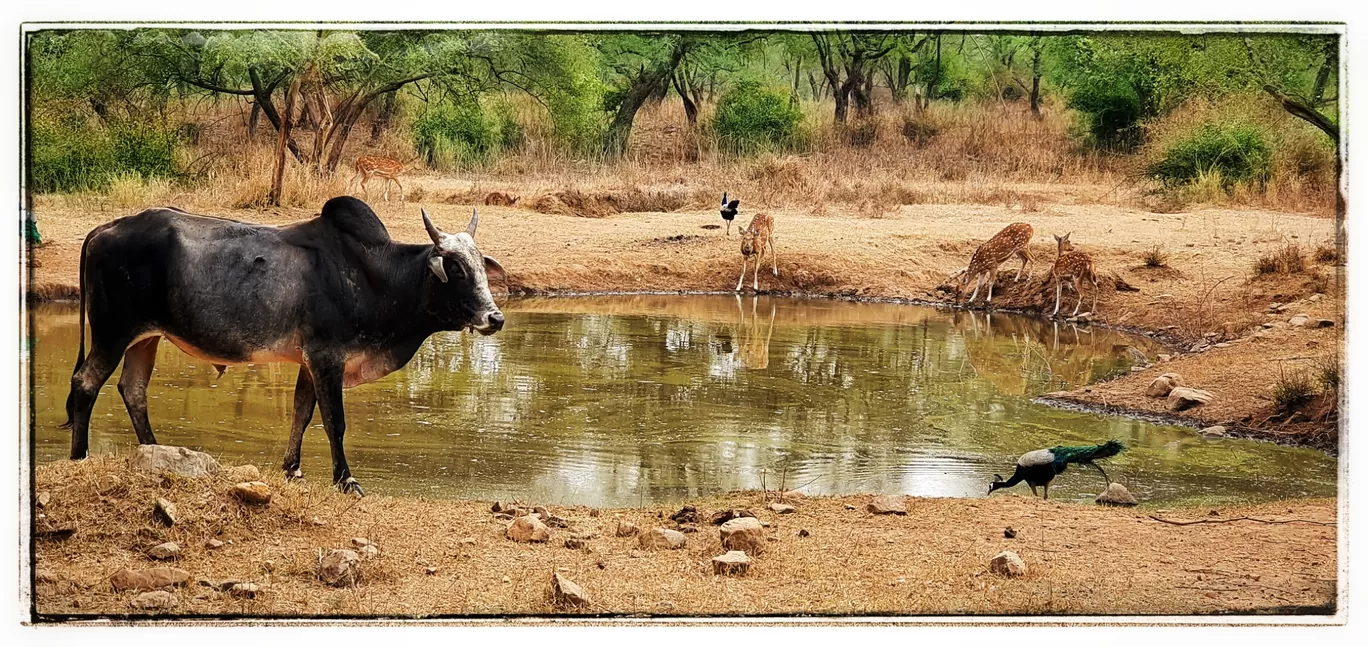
pixel 1033 490
pixel 1047 491
pixel 1104 473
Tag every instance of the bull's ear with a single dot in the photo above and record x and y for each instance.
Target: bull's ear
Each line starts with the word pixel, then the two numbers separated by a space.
pixel 492 267
pixel 435 263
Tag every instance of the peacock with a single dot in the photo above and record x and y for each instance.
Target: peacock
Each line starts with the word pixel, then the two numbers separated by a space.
pixel 729 211
pixel 1039 467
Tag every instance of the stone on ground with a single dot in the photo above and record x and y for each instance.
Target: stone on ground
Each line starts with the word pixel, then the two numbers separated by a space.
pixel 41 499
pixel 360 542
pixel 566 592
pixel 1163 385
pixel 244 590
pixel 1183 398
pixel 575 543
pixel 148 579
pixel 252 493
pixel 168 550
pixel 626 529
pixel 1299 321
pixel 662 538
pixel 1321 323
pixel 888 504
pixel 154 600
pixel 1216 431
pixel 164 512
pixel 734 562
pixel 527 528
pixel 369 551
pixel 1116 494
pixel 213 544
pixel 723 516
pixel 743 534
pixel 176 460
pixel 782 508
pixel 1007 563
pixel 340 568
pixel 686 514
pixel 242 473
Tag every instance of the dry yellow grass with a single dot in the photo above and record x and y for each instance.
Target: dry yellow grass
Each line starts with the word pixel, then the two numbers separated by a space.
pixel 1082 559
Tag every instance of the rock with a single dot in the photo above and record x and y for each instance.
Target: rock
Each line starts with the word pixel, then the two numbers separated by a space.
pixel 555 522
pixel 1217 431
pixel 850 506
pixel 888 504
pixel 1224 344
pixel 168 550
pixel 782 508
pixel 1084 317
pixel 244 473
pixel 164 512
pixel 1183 398
pixel 662 538
pixel 791 495
pixel 723 516
pixel 542 512
pixel 744 534
pixel 1008 533
pixel 252 493
pixel 176 460
pixel 44 576
pixel 575 543
pixel 734 562
pixel 1209 335
pixel 1007 563
pixel 340 568
pixel 1297 321
pixel 1164 357
pixel 244 590
pixel 360 542
pixel 1322 323
pixel 1116 494
pixel 626 529
pixel 567 593
pixel 686 514
pixel 527 528
pixel 802 532
pixel 1268 325
pixel 594 512
pixel 148 579
pixel 686 528
pixel 468 541
pixel 1315 297
pixel 431 570
pixel 369 551
pixel 41 499
pixel 213 544
pixel 155 600
pixel 1163 385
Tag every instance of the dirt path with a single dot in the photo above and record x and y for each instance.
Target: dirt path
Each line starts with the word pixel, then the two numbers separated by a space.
pixel 1206 294
pixel 447 558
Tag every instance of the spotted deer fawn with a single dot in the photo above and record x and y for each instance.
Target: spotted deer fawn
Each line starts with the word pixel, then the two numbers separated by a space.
pixel 1013 240
pixel 1070 268
pixel 368 166
pixel 755 238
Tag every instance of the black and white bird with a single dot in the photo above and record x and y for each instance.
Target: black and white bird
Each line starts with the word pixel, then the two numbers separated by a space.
pixel 729 211
pixel 1039 467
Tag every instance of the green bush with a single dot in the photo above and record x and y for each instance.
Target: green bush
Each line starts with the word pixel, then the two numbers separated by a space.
pixel 74 155
pixel 1112 109
pixel 751 118
pixel 450 136
pixel 1237 152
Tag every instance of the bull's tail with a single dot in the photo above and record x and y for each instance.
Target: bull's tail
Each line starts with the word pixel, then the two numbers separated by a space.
pixel 80 317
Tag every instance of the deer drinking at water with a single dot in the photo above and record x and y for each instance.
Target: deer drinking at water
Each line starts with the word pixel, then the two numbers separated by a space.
pixel 755 238
pixel 1013 240
pixel 1070 268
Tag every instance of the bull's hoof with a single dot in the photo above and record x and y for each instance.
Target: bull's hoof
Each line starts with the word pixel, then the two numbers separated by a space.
pixel 295 474
pixel 350 486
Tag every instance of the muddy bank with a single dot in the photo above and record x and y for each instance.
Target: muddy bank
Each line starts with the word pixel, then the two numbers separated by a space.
pixel 442 558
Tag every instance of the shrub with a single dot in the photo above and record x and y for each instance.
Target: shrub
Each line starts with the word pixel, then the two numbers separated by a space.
pixel 1238 152
pixel 1292 391
pixel 74 155
pixel 751 118
pixel 450 136
pixel 1287 259
pixel 1112 109
pixel 1326 254
pixel 1155 258
pixel 919 129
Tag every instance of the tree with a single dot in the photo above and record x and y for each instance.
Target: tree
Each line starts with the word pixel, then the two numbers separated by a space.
pixel 849 60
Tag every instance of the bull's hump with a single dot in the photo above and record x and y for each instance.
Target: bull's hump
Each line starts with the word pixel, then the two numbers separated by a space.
pixel 355 219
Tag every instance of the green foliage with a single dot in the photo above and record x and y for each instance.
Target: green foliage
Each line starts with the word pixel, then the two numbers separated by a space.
pixel 1238 152
pixel 452 136
pixel 74 155
pixel 751 118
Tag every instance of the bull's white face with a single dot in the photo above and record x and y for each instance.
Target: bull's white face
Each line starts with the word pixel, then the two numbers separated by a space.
pixel 458 263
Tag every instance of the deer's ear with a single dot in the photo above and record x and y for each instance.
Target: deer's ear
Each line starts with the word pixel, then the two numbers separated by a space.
pixel 1057 238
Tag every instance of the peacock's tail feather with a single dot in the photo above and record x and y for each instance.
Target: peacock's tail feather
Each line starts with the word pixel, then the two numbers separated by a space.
pixel 1086 453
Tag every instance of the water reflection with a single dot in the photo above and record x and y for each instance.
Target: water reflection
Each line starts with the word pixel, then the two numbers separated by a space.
pixel 632 399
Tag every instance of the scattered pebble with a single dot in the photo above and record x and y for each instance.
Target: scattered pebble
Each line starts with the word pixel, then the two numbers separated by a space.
pixel 782 508
pixel 252 493
pixel 527 529
pixel 340 568
pixel 662 538
pixel 734 562
pixel 566 592
pixel 213 544
pixel 1007 563
pixel 168 550
pixel 744 534
pixel 1116 495
pixel 155 600
pixel 888 504
pixel 164 512
pixel 1009 533
pixel 244 590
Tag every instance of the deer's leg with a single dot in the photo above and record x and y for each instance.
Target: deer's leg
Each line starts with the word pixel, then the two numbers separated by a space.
pixel 774 256
pixel 755 277
pixel 992 278
pixel 1078 289
pixel 978 283
pixel 1059 288
pixel 365 190
pixel 741 281
pixel 1025 261
pixel 1094 305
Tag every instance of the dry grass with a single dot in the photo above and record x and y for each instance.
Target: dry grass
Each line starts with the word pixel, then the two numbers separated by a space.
pixel 1082 559
pixel 1287 259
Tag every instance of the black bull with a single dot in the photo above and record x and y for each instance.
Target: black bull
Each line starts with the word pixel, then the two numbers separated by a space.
pixel 333 294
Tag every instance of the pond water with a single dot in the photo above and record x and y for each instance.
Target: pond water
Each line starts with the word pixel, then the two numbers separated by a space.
pixel 627 400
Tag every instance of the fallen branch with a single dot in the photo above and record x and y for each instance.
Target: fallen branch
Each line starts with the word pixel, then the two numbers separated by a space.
pixel 1240 519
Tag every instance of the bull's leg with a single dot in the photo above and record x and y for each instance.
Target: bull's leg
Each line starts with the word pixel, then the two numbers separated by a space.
pixel 327 380
pixel 304 402
pixel 85 388
pixel 137 370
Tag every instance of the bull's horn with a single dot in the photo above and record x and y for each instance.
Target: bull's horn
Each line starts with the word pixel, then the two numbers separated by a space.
pixel 433 232
pixel 474 222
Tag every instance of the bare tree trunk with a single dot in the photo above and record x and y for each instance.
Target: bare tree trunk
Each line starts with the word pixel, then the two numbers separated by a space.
pixel 382 120
pixel 278 183
pixel 262 94
pixel 1035 79
pixel 690 108
pixel 253 121
pixel 646 83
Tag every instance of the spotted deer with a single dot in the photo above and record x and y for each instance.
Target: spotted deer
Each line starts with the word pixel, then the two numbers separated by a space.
pixel 1070 268
pixel 368 166
pixel 755 239
pixel 1013 240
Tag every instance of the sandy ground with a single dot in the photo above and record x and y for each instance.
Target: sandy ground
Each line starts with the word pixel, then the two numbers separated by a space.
pixel 449 558
pixel 1206 292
